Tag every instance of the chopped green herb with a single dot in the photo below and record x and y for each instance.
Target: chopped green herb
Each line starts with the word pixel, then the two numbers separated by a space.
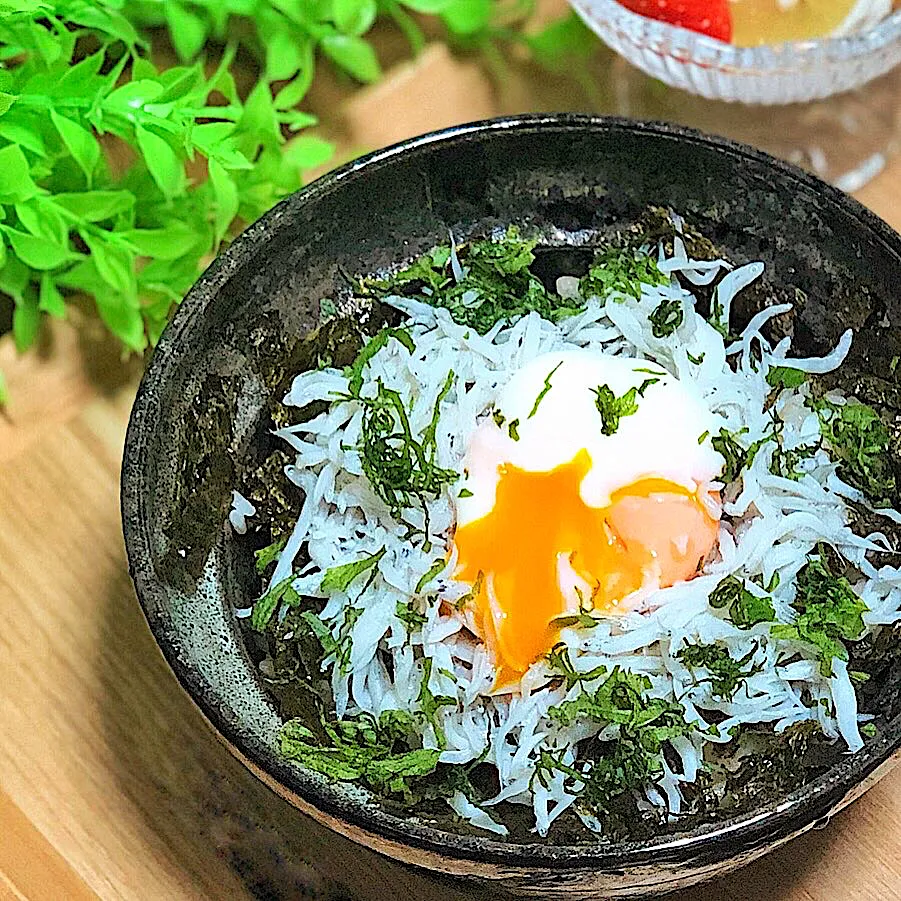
pixel 785 377
pixel 869 730
pixel 465 492
pixel 473 593
pixel 430 703
pixel 622 271
pixel 430 574
pixel 744 608
pixel 371 752
pixel 338 578
pixel 582 620
pixel 613 408
pixel 829 613
pixel 703 437
pixel 621 700
pixel 634 758
pixel 785 463
pixel 737 456
pixel 409 615
pixel 858 676
pixel 498 418
pixel 559 660
pixel 666 318
pixel 269 554
pixel 513 429
pixel 400 468
pixel 718 318
pixel 334 647
pixel 696 360
pixel 354 373
pixel 725 673
pixel 265 607
pixel 856 434
pixel 544 390
pixel 497 285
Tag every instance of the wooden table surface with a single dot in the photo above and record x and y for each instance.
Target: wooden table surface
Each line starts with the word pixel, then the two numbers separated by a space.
pixel 111 784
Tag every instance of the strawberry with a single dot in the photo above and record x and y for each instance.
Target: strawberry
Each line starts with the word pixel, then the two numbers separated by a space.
pixel 710 17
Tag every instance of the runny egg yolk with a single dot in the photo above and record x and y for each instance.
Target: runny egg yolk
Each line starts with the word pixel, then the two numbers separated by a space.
pixel 652 530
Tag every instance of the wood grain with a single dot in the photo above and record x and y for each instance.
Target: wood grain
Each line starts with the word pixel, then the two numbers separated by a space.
pixel 111 785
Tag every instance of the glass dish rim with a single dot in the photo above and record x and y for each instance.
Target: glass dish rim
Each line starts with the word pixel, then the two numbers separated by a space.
pixel 692 47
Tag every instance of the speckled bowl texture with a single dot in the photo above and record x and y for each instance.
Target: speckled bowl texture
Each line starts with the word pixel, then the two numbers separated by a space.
pixel 203 407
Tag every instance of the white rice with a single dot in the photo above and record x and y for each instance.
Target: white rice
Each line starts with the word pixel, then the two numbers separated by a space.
pixel 774 524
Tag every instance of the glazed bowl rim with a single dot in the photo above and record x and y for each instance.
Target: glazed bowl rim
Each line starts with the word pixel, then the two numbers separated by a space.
pixel 786 816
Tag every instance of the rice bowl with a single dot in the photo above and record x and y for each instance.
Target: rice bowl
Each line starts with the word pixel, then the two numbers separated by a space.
pixel 398 627
pixel 215 380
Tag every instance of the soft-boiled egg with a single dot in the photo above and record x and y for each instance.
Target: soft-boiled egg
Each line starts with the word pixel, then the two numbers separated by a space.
pixel 586 488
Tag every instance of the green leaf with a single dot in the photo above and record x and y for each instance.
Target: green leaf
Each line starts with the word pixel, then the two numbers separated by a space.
pixel 40 216
pixel 354 16
pixel 259 118
pixel 6 102
pixel 26 319
pixel 214 140
pixel 467 17
pixel 95 206
pixel 17 184
pixel 429 7
pixel 308 151
pixel 225 193
pixel 24 131
pixel 186 29
pixel 289 96
pixel 47 43
pixel 50 300
pixel 82 79
pixel 561 42
pixel 14 277
pixel 283 55
pixel 338 578
pixel 123 319
pixel 167 243
pixel 353 55
pixel 80 142
pixel 113 260
pixel 38 253
pixel 133 95
pixel 162 161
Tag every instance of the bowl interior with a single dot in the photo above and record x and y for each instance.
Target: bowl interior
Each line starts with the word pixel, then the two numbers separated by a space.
pixel 203 407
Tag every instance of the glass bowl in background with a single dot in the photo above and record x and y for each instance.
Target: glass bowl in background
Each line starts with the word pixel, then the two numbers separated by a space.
pixel 832 105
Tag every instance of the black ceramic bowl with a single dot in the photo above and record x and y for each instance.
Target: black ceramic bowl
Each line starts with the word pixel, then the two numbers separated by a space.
pixel 203 405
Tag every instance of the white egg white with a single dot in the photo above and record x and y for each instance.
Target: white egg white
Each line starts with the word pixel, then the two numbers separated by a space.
pixel 668 437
